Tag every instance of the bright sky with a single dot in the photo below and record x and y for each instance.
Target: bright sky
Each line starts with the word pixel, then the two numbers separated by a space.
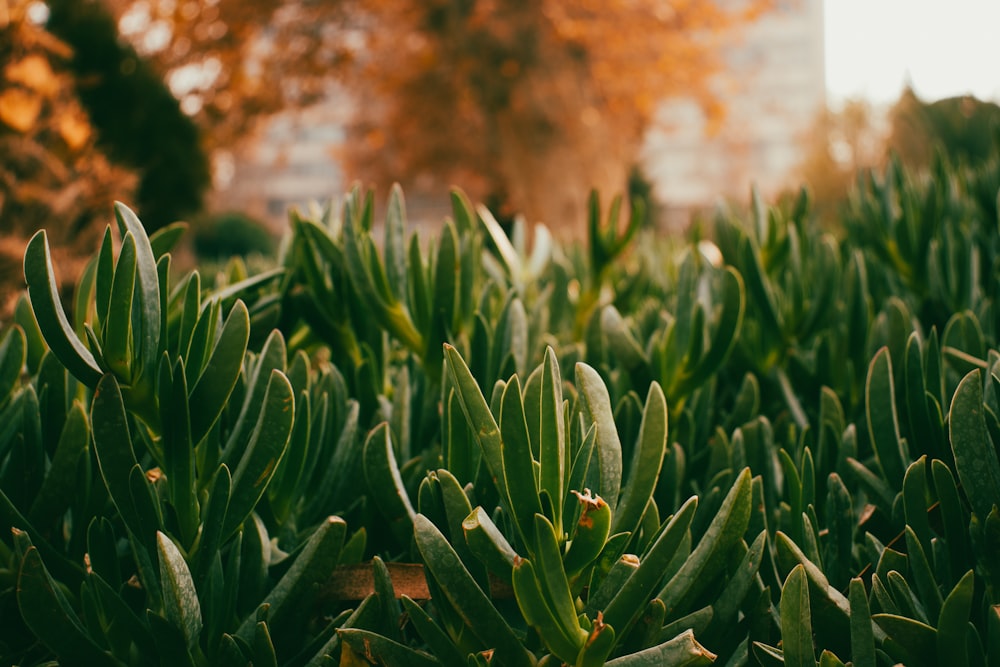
pixel 944 47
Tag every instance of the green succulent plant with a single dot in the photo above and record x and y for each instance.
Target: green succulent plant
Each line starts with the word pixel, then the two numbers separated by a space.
pixel 589 455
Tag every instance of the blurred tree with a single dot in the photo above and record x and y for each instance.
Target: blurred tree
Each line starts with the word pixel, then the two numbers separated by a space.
pixel 839 144
pixel 963 127
pixel 531 101
pixel 139 122
pixel 52 174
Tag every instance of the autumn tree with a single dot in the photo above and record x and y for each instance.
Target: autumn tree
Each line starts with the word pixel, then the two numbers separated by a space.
pixel 841 143
pixel 52 174
pixel 529 102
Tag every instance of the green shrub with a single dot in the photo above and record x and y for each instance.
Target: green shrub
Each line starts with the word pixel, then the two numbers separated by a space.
pixel 615 454
pixel 139 121
pixel 227 234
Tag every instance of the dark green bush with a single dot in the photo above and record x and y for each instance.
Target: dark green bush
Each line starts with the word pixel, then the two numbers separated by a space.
pixel 621 453
pixel 138 120
pixel 227 234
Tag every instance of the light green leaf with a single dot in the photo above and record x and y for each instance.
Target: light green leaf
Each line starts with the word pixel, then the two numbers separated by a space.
pixel 267 445
pixel 644 468
pixel 596 405
pixel 148 334
pixel 43 291
pixel 796 620
pixel 681 651
pixel 975 456
pixel 211 392
pixel 180 599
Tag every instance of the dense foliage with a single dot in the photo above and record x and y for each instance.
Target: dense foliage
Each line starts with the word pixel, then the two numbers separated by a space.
pixel 633 452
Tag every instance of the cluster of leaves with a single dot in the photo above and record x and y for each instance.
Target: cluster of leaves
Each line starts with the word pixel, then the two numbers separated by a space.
pixel 776 455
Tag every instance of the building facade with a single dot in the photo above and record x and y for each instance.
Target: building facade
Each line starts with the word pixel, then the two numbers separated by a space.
pixel 773 91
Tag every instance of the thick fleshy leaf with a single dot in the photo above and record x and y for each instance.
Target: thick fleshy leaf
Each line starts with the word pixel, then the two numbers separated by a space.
pixel 917 639
pixel 147 277
pixel 563 637
pixel 633 594
pixel 118 334
pixel 975 456
pixel 374 646
pixel 709 557
pixel 681 651
pixel 883 425
pixel 953 623
pixel 488 544
pixel 211 391
pixel 596 403
pixel 55 327
pixel 267 445
pixel 647 459
pixel 180 599
pixel 862 637
pixel 476 610
pixel 296 593
pixel 113 445
pixel 552 438
pixel 384 481
pixel 796 620
pixel 480 419
pixel 518 464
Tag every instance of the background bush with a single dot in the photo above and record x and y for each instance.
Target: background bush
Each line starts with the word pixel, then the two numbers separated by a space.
pixel 226 234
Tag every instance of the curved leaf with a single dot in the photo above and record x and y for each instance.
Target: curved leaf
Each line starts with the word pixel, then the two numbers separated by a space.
pixel 796 620
pixel 148 335
pixel 975 456
pixel 596 404
pixel 180 599
pixel 211 392
pixel 460 589
pixel 644 469
pixel 267 445
pixel 55 327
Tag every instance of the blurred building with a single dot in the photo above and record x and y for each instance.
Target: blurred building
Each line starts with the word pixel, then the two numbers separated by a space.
pixel 293 161
pixel 773 92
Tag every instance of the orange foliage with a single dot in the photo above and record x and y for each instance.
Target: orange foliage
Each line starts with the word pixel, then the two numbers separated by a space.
pixel 839 146
pixel 528 101
pixel 51 173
